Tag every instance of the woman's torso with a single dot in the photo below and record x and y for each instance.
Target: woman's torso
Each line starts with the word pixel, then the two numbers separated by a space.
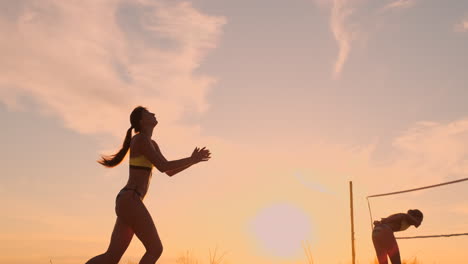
pixel 139 179
pixel 398 223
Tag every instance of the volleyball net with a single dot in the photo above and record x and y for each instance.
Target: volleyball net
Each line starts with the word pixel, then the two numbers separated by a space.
pixel 444 205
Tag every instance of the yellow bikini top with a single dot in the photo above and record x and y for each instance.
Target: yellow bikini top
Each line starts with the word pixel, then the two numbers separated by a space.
pixel 140 162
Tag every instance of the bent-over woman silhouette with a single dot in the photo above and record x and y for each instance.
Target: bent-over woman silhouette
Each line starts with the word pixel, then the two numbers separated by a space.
pixel 382 235
pixel 132 215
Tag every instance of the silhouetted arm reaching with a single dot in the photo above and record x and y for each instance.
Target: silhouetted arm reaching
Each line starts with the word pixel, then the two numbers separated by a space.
pixel 153 154
pixel 198 155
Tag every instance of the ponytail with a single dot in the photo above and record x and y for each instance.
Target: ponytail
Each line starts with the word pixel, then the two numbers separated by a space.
pixel 114 160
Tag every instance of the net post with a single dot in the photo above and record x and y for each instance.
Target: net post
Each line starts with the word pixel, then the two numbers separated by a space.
pixel 353 252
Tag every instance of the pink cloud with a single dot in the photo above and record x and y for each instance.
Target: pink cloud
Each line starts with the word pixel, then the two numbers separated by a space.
pixel 346 29
pixel 341 31
pixel 440 149
pixel 462 26
pixel 90 63
pixel 341 27
pixel 400 4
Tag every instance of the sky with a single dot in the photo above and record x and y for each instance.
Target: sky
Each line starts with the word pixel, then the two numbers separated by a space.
pixel 293 98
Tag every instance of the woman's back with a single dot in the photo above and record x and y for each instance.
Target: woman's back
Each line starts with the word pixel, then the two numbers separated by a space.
pixel 395 221
pixel 139 178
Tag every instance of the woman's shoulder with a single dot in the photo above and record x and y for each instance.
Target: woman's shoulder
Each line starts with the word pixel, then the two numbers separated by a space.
pixel 395 217
pixel 136 143
pixel 399 215
pixel 139 140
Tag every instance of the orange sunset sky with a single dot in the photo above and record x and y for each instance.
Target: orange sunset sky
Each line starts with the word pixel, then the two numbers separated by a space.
pixel 293 98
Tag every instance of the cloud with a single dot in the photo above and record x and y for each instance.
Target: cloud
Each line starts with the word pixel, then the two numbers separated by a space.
pixel 400 4
pixel 349 20
pixel 427 153
pixel 441 150
pixel 462 26
pixel 342 32
pixel 91 62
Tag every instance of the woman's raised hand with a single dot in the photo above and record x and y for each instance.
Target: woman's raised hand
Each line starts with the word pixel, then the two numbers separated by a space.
pixel 202 154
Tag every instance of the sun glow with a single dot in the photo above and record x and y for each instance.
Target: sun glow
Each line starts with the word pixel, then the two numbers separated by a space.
pixel 280 229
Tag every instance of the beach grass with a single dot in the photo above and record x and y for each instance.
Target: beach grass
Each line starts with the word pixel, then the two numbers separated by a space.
pixel 214 258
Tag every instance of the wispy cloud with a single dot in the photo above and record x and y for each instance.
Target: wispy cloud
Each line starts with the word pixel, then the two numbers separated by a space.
pixel 436 150
pixel 400 4
pixel 462 26
pixel 95 60
pixel 341 31
pixel 348 21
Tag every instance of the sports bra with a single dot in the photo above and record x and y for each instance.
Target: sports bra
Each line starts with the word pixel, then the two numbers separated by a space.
pixel 140 162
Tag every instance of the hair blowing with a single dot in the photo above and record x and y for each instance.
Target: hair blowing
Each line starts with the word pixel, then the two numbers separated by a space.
pixel 114 160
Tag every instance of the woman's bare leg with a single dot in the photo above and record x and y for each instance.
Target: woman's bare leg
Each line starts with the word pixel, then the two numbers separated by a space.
pixel 394 251
pixel 146 231
pixel 121 237
pixel 380 250
pixel 133 211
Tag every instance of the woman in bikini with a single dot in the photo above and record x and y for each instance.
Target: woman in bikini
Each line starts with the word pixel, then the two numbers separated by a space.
pixel 382 236
pixel 132 215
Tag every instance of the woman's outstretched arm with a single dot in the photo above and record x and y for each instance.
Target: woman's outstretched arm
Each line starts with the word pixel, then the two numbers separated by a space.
pixel 151 151
pixel 153 154
pixel 200 154
pixel 175 171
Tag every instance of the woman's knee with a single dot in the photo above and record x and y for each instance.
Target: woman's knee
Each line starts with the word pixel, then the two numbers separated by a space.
pixel 155 249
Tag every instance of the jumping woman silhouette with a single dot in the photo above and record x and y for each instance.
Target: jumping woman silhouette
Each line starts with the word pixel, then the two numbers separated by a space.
pixel 383 238
pixel 132 215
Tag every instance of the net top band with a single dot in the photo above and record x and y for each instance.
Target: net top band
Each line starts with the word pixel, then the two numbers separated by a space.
pixel 417 189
